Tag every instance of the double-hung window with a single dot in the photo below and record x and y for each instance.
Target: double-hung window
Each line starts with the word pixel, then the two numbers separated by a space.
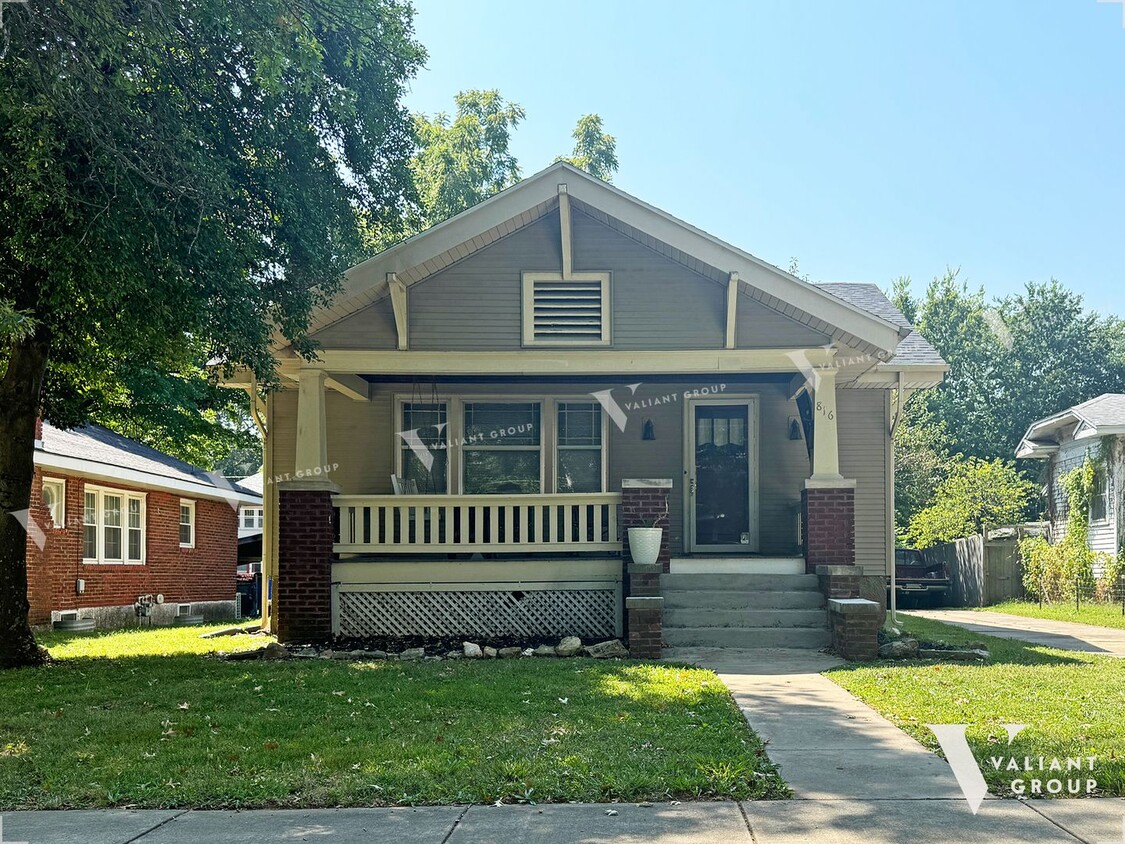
pixel 502 449
pixel 580 456
pixel 1099 496
pixel 187 523
pixel 54 499
pixel 424 451
pixel 113 526
pixel 252 517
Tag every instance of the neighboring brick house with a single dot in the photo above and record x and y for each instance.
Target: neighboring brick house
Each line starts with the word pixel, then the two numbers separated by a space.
pixel 112 520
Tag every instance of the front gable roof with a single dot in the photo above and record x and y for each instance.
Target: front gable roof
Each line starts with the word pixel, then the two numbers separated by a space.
pixel 436 248
pixel 1101 416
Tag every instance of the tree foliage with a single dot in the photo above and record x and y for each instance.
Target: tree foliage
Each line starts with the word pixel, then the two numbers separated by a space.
pixel 179 181
pixel 975 494
pixel 595 151
pixel 466 158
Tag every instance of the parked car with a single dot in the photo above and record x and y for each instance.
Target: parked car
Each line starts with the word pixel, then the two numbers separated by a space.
pixel 918 582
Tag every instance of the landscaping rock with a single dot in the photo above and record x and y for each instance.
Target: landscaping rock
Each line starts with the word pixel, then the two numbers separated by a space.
pixel 613 649
pixel 238 656
pixel 307 653
pixel 490 653
pixel 544 650
pixel 954 655
pixel 328 654
pixel 226 631
pixel 977 646
pixel 412 654
pixel 899 649
pixel 274 651
pixel 454 655
pixel 472 650
pixel 569 646
pixel 508 653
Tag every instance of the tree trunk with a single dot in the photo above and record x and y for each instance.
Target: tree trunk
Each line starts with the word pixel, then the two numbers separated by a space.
pixel 19 407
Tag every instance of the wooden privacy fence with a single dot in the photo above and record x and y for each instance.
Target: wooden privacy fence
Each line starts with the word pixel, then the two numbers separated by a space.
pixel 985 569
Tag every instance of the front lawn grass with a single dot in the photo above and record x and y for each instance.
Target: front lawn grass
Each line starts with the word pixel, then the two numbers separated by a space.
pixel 1102 615
pixel 1072 703
pixel 143 719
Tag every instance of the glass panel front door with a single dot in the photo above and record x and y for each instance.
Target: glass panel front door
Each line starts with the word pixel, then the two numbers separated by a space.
pixel 721 476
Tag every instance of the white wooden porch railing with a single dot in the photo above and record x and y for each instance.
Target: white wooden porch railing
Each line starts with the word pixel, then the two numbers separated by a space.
pixel 443 524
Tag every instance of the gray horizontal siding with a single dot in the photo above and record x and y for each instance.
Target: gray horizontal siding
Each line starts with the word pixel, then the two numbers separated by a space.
pixel 864 443
pixel 656 303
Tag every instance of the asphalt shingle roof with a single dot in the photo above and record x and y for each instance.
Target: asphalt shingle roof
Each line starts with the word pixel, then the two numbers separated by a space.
pixel 914 349
pixel 97 444
pixel 1106 409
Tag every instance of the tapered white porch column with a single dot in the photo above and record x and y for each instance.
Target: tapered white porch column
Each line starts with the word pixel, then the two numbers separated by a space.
pixel 312 434
pixel 826 443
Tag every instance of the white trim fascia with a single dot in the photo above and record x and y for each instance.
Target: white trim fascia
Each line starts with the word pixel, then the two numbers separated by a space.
pixel 361 280
pixel 106 473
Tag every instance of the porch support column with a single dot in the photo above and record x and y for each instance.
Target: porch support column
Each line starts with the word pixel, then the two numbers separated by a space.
pixel 826 444
pixel 306 525
pixel 312 433
pixel 644 503
pixel 828 499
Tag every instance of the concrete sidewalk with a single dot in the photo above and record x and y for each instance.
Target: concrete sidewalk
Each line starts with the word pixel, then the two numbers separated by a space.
pixel 757 822
pixel 1065 635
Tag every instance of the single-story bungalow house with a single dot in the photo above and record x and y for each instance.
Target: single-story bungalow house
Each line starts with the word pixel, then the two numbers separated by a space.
pixel 499 398
pixel 113 521
pixel 1095 428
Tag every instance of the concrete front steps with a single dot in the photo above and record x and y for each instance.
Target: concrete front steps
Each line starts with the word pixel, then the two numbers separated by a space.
pixel 734 610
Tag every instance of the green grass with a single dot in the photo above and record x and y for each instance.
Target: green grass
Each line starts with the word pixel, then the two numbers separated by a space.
pixel 1073 703
pixel 1102 615
pixel 144 719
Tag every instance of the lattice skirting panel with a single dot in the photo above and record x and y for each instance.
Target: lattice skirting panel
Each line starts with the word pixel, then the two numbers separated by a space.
pixel 588 613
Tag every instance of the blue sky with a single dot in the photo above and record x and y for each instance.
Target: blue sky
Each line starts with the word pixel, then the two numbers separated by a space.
pixel 867 139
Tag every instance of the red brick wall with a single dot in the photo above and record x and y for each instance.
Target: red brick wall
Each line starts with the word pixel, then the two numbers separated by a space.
pixel 829 527
pixel 305 535
pixel 183 575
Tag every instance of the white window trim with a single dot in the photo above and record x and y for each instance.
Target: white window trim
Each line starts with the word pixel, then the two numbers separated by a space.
pixel 99 510
pixel 190 504
pixel 548 435
pixel 528 311
pixel 1106 498
pixel 60 484
pixel 451 406
pixel 556 448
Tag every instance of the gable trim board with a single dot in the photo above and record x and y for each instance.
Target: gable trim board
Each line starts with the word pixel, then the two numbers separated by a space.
pixel 436 248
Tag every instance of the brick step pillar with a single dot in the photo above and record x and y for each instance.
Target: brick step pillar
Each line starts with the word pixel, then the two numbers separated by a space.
pixel 644 503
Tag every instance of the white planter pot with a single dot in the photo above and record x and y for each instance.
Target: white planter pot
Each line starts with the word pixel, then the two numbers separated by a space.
pixel 644 544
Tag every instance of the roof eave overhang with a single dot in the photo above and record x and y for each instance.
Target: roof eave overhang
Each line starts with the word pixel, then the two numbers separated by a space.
pixel 109 474
pixel 910 376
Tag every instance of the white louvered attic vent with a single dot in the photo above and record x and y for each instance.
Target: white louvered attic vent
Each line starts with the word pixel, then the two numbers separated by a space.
pixel 573 311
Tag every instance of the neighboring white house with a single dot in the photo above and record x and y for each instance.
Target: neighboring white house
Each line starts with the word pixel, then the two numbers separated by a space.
pixel 1096 428
pixel 250 516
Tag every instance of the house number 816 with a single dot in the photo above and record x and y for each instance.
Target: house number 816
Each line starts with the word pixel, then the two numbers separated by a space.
pixel 824 411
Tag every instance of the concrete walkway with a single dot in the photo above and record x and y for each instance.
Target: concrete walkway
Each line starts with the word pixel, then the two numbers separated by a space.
pixel 1065 635
pixel 753 822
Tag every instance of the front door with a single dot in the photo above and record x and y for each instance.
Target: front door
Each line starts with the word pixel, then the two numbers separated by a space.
pixel 721 453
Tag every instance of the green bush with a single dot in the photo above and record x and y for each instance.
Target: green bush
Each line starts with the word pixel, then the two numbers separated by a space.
pixel 976 493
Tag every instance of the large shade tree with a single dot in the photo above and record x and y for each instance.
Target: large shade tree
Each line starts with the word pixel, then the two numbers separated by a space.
pixel 179 179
